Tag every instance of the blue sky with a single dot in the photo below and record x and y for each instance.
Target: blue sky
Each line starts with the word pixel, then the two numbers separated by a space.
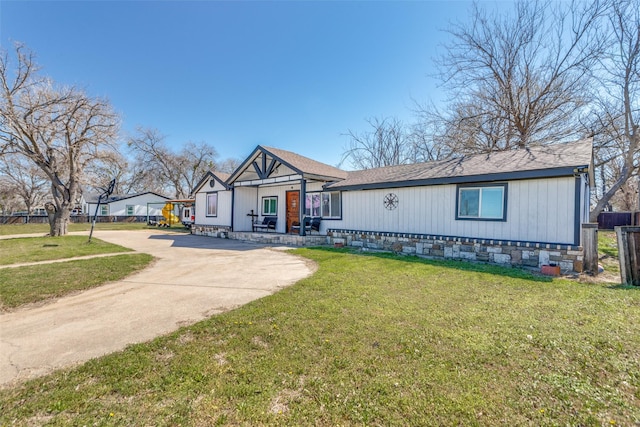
pixel 292 75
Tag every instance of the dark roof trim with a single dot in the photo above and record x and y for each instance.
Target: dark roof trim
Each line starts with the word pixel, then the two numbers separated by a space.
pixel 264 168
pixel 119 198
pixel 205 179
pixel 261 171
pixel 244 165
pixel 282 162
pixel 504 176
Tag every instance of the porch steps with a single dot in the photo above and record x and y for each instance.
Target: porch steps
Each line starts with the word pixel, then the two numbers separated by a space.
pixel 279 239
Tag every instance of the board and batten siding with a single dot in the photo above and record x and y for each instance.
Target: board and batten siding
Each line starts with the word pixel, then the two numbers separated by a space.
pixel 281 193
pixel 539 210
pixel 244 200
pixel 223 217
pixel 250 198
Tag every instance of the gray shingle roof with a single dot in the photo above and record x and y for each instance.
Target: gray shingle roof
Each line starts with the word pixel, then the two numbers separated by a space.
pixel 549 160
pixel 93 198
pixel 307 165
pixel 222 175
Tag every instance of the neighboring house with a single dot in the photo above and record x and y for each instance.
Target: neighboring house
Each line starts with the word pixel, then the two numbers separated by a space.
pixel 521 207
pixel 142 204
pixel 213 203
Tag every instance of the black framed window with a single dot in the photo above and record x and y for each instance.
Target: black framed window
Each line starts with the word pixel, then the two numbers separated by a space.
pixel 212 204
pixel 270 205
pixel 323 204
pixel 484 202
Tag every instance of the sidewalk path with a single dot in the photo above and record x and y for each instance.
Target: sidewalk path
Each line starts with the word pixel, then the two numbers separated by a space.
pixel 54 261
pixel 193 278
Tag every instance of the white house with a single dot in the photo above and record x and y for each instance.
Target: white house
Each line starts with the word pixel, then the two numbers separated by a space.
pixel 521 207
pixel 537 195
pixel 140 205
pixel 213 204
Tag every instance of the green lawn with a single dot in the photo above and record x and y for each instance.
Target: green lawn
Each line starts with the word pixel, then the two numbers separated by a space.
pixel 32 249
pixel 28 284
pixel 23 285
pixel 608 251
pixel 9 229
pixel 372 340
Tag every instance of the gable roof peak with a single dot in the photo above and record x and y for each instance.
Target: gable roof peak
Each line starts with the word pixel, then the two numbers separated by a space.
pixel 299 164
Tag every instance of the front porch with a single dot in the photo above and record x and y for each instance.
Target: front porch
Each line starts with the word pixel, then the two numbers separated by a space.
pixel 279 238
pixel 265 238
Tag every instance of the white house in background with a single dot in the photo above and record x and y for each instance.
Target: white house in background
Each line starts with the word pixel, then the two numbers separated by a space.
pixel 213 204
pixel 142 204
pixel 519 207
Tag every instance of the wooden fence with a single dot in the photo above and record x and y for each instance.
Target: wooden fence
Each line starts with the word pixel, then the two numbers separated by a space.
pixel 43 219
pixel 629 254
pixel 611 220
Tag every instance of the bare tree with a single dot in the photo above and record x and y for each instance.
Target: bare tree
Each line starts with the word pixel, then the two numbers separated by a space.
pixel 229 165
pixel 180 171
pixel 130 177
pixel 60 129
pixel 195 160
pixel 387 143
pixel 9 201
pixel 517 79
pixel 626 199
pixel 27 181
pixel 618 109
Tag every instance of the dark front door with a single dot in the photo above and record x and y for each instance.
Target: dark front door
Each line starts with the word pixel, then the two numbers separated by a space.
pixel 293 208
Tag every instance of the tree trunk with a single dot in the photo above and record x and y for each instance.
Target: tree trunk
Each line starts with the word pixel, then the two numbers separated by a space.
pixel 60 224
pixel 58 219
pixel 51 212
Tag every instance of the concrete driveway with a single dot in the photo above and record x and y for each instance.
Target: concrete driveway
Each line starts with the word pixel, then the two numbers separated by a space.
pixel 193 278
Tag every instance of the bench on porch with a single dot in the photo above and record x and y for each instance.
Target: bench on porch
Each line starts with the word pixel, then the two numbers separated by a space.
pixel 310 224
pixel 268 223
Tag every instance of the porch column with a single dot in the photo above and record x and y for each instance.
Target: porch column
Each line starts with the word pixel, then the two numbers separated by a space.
pixel 303 201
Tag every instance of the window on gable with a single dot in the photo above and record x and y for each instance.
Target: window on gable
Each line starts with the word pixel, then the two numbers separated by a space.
pixel 212 204
pixel 482 202
pixel 270 206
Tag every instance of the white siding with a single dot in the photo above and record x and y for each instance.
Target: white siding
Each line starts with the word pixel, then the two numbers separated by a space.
pixel 312 187
pixel 539 210
pixel 281 193
pixel 244 202
pixel 119 207
pixel 250 198
pixel 223 217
